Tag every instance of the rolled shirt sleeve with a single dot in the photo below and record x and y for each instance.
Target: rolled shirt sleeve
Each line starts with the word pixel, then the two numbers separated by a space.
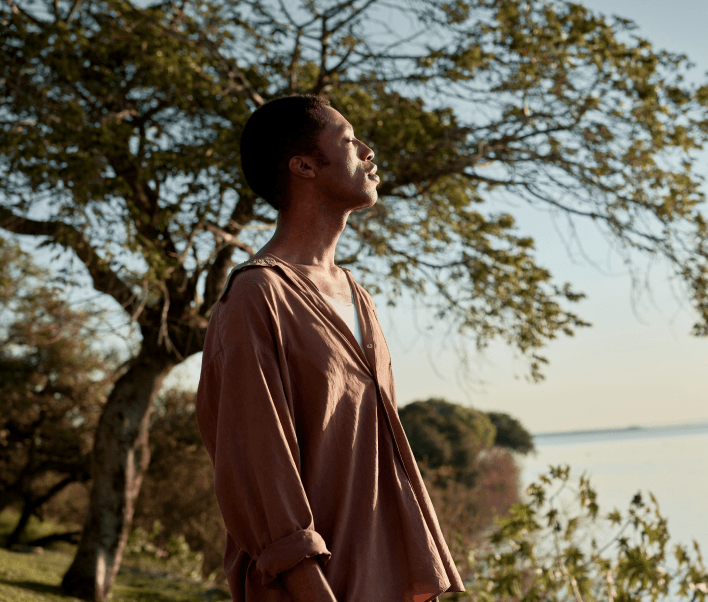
pixel 248 427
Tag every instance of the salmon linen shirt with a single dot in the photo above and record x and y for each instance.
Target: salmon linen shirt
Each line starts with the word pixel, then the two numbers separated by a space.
pixel 309 454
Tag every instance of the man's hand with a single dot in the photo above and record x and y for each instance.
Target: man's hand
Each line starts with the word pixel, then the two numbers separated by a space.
pixel 306 582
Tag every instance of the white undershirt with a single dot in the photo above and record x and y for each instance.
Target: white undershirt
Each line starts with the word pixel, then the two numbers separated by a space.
pixel 349 315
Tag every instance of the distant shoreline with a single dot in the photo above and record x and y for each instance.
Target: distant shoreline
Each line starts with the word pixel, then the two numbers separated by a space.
pixel 619 429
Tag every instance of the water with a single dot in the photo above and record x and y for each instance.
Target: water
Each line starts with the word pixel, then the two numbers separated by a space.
pixel 671 462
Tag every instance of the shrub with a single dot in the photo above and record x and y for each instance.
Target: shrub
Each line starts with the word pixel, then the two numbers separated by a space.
pixel 176 556
pixel 542 550
pixel 466 513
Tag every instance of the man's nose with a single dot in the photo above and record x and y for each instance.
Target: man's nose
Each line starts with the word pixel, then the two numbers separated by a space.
pixel 369 154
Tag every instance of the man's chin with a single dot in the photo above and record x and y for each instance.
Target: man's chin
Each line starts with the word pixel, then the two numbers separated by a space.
pixel 369 202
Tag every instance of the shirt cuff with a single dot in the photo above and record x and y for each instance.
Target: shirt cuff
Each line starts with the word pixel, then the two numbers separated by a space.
pixel 286 552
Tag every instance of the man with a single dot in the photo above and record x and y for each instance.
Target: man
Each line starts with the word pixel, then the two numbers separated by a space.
pixel 320 492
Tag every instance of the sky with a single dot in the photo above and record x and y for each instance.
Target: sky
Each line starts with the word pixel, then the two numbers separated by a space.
pixel 637 365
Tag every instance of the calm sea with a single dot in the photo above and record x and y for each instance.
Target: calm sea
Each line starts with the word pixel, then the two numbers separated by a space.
pixel 670 461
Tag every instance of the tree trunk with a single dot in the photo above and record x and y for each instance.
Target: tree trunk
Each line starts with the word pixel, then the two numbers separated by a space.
pixel 14 537
pixel 8 497
pixel 120 458
pixel 31 505
pixel 69 536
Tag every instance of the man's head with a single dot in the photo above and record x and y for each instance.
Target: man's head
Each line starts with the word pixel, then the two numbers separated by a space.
pixel 274 133
pixel 301 143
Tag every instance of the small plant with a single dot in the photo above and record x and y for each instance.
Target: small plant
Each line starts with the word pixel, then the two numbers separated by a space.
pixel 176 556
pixel 541 550
pixel 186 562
pixel 140 542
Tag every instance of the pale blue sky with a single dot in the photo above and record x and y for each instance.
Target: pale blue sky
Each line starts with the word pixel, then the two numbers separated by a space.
pixel 630 368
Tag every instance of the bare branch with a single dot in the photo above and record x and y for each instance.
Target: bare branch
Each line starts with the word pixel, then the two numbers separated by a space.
pixel 324 41
pixel 164 334
pixel 339 65
pixel 293 63
pixel 74 8
pixel 229 239
pixel 355 13
pixel 288 15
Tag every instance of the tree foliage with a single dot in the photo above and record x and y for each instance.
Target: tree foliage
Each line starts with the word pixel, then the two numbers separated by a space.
pixel 442 433
pixel 511 433
pixel 53 383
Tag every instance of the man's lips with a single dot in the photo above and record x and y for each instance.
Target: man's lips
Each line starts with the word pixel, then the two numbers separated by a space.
pixel 372 174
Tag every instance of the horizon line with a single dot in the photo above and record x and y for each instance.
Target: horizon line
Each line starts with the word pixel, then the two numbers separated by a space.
pixel 701 422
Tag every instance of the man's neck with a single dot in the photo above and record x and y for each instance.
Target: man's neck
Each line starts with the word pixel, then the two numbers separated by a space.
pixel 308 240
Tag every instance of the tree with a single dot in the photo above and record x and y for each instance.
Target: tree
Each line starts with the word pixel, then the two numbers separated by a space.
pixel 52 385
pixel 441 433
pixel 471 480
pixel 511 433
pixel 120 144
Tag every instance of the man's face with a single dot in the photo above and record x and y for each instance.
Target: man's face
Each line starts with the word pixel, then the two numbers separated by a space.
pixel 349 178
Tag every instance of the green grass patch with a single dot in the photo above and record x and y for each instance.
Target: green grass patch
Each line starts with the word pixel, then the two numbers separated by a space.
pixel 37 577
pixel 35 529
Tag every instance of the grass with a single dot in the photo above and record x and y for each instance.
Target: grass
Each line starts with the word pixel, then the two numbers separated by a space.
pixel 36 577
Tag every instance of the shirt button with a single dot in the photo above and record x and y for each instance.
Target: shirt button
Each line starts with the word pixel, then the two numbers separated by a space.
pixel 369 345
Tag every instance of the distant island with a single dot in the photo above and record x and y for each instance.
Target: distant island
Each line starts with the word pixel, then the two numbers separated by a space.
pixel 618 430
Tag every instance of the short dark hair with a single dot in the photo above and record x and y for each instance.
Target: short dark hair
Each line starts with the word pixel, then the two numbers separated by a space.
pixel 274 133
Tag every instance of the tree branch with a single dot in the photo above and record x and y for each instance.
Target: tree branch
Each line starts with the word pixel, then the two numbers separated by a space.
pixel 355 13
pixel 216 276
pixel 293 63
pixel 16 10
pixel 228 238
pixel 74 8
pixel 104 278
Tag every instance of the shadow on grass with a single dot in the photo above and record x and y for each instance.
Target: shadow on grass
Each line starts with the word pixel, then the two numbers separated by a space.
pixel 150 597
pixel 39 588
pixel 135 596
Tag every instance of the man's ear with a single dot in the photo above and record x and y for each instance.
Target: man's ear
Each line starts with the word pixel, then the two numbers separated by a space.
pixel 301 166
